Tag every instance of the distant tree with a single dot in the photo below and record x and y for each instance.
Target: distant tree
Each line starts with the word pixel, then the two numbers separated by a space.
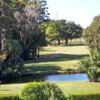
pixel 52 32
pixel 71 31
pixel 61 29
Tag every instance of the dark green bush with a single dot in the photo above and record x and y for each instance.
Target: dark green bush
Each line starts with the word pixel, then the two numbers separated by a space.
pixel 41 91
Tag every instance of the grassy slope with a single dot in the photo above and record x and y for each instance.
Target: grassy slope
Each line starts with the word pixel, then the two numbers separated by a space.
pixel 59 58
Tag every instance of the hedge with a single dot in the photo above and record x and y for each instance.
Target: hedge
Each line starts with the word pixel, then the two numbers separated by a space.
pixel 84 97
pixel 71 97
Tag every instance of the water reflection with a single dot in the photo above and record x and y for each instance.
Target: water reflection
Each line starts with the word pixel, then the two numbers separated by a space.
pixel 53 78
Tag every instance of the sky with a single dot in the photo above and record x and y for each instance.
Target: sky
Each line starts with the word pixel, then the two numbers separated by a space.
pixel 80 11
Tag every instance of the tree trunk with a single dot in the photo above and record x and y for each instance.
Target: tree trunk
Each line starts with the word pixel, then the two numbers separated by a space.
pixel 66 41
pixel 25 55
pixel 58 41
pixel 38 53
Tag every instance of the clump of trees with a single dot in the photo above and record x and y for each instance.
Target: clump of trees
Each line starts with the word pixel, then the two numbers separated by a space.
pixel 91 65
pixel 20 34
pixel 62 30
pixel 24 28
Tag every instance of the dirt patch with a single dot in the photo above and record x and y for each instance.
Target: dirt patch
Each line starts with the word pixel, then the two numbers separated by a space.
pixel 56 54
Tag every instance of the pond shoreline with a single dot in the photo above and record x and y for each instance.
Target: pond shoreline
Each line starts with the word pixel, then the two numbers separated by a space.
pixel 51 73
pixel 37 76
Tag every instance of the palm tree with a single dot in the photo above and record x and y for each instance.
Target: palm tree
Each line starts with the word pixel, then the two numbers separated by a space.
pixel 91 65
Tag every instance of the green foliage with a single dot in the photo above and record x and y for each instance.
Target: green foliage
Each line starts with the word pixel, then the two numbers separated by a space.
pixel 18 20
pixel 85 97
pixel 95 55
pixel 11 63
pixel 46 91
pixel 60 29
pixel 32 91
pixel 52 32
pixel 92 34
pixel 9 97
pixel 12 46
pixel 52 92
pixel 71 97
pixel 91 65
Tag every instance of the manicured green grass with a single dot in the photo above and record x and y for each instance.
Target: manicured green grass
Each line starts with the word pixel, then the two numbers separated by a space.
pixel 66 87
pixel 79 87
pixel 57 58
pixel 10 88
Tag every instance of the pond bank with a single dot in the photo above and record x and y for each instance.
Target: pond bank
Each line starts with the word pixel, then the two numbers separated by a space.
pixel 51 73
pixel 52 77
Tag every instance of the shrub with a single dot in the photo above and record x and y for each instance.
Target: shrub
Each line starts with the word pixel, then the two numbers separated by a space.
pixel 91 65
pixel 32 91
pixel 44 91
pixel 11 64
pixel 52 91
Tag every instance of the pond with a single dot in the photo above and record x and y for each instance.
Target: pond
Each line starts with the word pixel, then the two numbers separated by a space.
pixel 67 77
pixel 51 78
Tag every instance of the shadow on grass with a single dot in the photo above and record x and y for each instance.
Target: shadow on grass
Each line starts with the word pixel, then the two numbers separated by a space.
pixel 80 44
pixel 41 68
pixel 57 58
pixel 48 50
pixel 34 73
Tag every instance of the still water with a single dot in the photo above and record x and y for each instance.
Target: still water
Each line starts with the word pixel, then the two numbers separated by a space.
pixel 67 77
pixel 51 78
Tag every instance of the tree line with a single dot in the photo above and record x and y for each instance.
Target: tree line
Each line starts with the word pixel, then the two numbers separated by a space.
pixel 62 30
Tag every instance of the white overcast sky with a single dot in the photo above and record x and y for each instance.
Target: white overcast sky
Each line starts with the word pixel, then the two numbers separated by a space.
pixel 80 11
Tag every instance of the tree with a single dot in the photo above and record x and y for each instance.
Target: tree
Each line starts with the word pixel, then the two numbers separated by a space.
pixel 6 20
pixel 12 64
pixel 61 29
pixel 71 31
pixel 10 49
pixel 19 21
pixel 28 20
pixel 52 32
pixel 92 34
pixel 91 65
